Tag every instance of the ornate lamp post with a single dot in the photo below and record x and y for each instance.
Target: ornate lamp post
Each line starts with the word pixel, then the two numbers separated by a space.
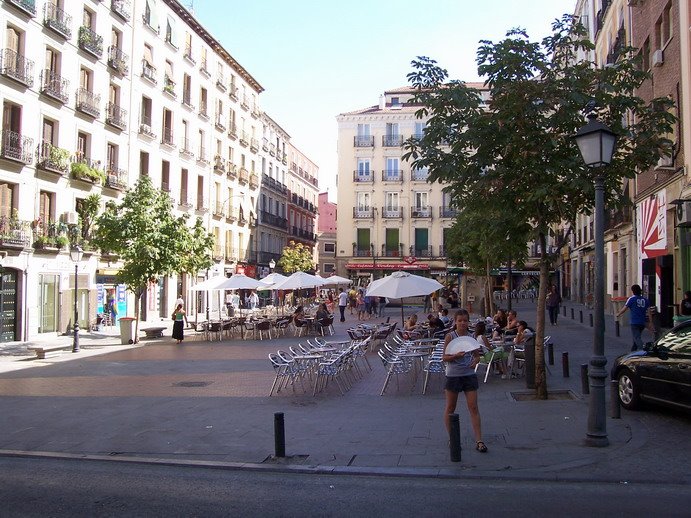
pixel 596 143
pixel 272 265
pixel 76 253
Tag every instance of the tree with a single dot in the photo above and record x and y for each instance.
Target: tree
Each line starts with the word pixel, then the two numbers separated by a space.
pixel 149 240
pixel 88 211
pixel 520 150
pixel 296 257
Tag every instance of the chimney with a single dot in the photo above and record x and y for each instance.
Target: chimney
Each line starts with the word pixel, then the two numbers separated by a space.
pixel 382 102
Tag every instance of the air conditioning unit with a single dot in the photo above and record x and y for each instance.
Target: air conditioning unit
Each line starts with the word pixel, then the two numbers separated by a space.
pixel 684 214
pixel 665 162
pixel 658 58
pixel 70 218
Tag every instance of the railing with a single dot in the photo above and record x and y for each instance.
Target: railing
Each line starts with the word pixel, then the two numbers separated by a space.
pixel 245 103
pixel 362 252
pixel 218 209
pixel 392 252
pixel 254 181
pixel 422 252
pixel 28 6
pixel 17 67
pixel 392 140
pixel 116 116
pixel 167 137
pixel 200 205
pixel 149 71
pixel 184 201
pixel 16 147
pixel 392 212
pixel 121 8
pixel 448 212
pixel 52 158
pixel 219 164
pixel 56 19
pixel 272 149
pixel 90 41
pixel 363 177
pixel 244 138
pixel 117 60
pixel 233 130
pixel 54 86
pixel 219 123
pixel 220 82
pixel 185 148
pixel 419 175
pixel 116 178
pixel 169 86
pixel 392 175
pixel 201 155
pixel 187 99
pixel 363 141
pixel 233 94
pixel 614 218
pixel 87 102
pixel 202 110
pixel 244 175
pixel 421 212
pixel 188 54
pixel 232 171
pixel 145 126
pixel 15 232
pixel 232 214
pixel 274 220
pixel 254 144
pixel 363 213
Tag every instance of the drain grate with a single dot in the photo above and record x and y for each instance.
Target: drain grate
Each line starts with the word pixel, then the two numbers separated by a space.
pixel 192 383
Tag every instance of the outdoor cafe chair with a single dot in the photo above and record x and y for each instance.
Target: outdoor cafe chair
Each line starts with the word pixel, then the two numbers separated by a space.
pixel 434 365
pixel 283 372
pixel 393 365
pixel 489 359
pixel 215 330
pixel 262 327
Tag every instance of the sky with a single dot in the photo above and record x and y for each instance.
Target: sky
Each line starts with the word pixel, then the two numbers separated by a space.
pixel 319 58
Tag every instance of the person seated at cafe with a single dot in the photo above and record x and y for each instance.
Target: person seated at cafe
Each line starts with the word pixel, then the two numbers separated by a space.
pixel 435 323
pixel 444 317
pixel 411 329
pixel 511 323
pixel 299 316
pixel 523 333
pixel 322 312
pixel 490 352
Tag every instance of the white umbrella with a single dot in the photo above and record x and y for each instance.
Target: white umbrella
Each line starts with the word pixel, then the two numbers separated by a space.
pixel 298 281
pixel 335 280
pixel 402 284
pixel 271 279
pixel 239 281
pixel 209 284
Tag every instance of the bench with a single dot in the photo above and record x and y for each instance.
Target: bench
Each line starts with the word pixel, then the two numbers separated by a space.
pixel 42 350
pixel 154 332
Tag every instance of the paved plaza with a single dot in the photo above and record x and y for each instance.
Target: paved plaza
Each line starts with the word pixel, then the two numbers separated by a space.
pixel 207 402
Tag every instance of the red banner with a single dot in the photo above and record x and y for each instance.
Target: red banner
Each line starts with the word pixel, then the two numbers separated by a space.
pixel 387 266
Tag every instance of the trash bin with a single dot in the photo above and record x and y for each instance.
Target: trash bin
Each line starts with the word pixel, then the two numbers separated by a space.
pixel 126 330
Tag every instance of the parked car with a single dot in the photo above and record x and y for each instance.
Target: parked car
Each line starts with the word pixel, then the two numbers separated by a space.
pixel 659 374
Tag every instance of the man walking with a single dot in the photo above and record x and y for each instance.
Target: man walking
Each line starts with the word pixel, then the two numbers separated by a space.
pixel 638 306
pixel 342 303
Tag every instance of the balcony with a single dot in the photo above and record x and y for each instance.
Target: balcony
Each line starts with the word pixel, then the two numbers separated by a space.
pixel 87 170
pixel 54 86
pixel 244 175
pixel 149 72
pixel 421 212
pixel 202 157
pixel 122 8
pixel 117 60
pixel 448 212
pixel 617 217
pixel 245 103
pixel 242 220
pixel 231 254
pixel 15 233
pixel 145 127
pixel 116 178
pixel 363 177
pixel 90 42
pixel 116 116
pixel 244 139
pixel 15 147
pixel 392 175
pixel 202 111
pixel 87 102
pixel 256 112
pixel 419 175
pixel 56 19
pixel 218 211
pixel 361 252
pixel 169 87
pixel 392 212
pixel 363 213
pixel 49 236
pixel 254 145
pixel 218 253
pixel 232 131
pixel 392 251
pixel 17 67
pixel 147 21
pixel 220 83
pixel 233 94
pixel 187 99
pixel 188 54
pixel 52 158
pixel 28 7
pixel 363 141
pixel 232 171
pixel 421 251
pixel 254 181
pixel 167 138
pixel 219 123
pixel 186 148
pixel 219 164
pixel 272 149
pixel 232 214
pixel 184 202
pixel 203 70
pixel 201 207
pixel 272 219
pixel 392 140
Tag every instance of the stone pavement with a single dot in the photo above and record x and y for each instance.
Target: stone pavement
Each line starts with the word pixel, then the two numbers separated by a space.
pixel 207 403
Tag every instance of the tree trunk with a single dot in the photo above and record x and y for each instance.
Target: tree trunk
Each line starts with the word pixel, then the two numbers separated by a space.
pixel 137 304
pixel 540 378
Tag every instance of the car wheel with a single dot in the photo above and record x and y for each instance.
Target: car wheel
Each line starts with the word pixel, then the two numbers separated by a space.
pixel 628 390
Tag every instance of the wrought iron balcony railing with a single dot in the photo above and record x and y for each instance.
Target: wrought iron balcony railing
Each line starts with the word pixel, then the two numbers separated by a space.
pixel 116 116
pixel 52 158
pixel 87 102
pixel 363 213
pixel 392 212
pixel 90 41
pixel 56 19
pixel 186 147
pixel 188 54
pixel 17 67
pixel 122 8
pixel 363 176
pixel 448 212
pixel 55 86
pixel 169 86
pixel 16 147
pixel 419 175
pixel 421 212
pixel 14 233
pixel 145 126
pixel 167 137
pixel 27 6
pixel 392 175
pixel 117 60
pixel 363 141
pixel 116 178
pixel 149 72
pixel 392 140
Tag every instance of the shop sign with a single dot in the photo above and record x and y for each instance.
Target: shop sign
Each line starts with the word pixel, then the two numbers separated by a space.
pixel 387 266
pixel 652 225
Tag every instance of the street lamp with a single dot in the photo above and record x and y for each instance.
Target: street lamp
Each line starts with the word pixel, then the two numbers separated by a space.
pixel 596 143
pixel 76 253
pixel 272 265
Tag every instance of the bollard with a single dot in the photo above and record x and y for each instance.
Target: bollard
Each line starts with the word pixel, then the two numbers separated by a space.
pixel 617 330
pixel 585 388
pixel 580 317
pixel 550 353
pixel 565 364
pixel 279 435
pixel 564 308
pixel 591 320
pixel 455 438
pixel 572 315
pixel 614 407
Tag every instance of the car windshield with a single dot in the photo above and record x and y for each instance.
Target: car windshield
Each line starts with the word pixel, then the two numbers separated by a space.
pixel 678 340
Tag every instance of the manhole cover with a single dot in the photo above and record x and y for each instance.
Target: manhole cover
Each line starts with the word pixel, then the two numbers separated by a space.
pixel 192 383
pixel 554 395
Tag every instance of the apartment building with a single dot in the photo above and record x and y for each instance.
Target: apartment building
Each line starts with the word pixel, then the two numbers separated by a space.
pixel 95 94
pixel 326 234
pixel 303 191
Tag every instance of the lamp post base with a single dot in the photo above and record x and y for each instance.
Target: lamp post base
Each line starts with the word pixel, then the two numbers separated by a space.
pixel 596 441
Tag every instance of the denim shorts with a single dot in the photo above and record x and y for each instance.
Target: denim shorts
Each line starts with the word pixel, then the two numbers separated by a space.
pixel 462 383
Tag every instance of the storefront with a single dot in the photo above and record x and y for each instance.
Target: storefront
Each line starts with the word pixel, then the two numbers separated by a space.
pixel 111 297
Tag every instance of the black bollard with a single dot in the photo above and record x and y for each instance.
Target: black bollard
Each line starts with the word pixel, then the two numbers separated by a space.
pixel 279 435
pixel 580 315
pixel 550 353
pixel 617 330
pixel 614 407
pixel 591 320
pixel 585 387
pixel 572 315
pixel 455 438
pixel 564 307
pixel 565 364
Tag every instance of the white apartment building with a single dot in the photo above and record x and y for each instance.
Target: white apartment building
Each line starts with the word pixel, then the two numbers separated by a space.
pixel 303 203
pixel 95 94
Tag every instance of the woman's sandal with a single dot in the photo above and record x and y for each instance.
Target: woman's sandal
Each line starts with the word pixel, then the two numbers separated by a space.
pixel 481 447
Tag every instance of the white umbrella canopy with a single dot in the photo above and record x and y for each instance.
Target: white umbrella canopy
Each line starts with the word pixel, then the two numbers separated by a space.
pixel 402 284
pixel 240 281
pixel 335 280
pixel 271 279
pixel 209 284
pixel 298 281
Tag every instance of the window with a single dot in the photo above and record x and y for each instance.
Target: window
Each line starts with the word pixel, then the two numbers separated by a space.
pixel 165 176
pixel 202 100
pixel 112 152
pixel 83 143
pixel 392 242
pixel 143 163
pixel 202 148
pixel 49 134
pixel 663 27
pixel 167 127
pixel 8 199
pixel 329 248
pixel 203 59
pixel 392 201
pixel 363 168
pixel 170 32
pixel 329 268
pixel 391 129
pixel 421 200
pixel 200 192
pixel 85 79
pixel 645 55
pixel 145 120
pixel 363 201
pixel 46 207
pixel 392 171
pixel 187 89
pixel 52 64
pixel 183 186
pixel 420 129
pixel 88 19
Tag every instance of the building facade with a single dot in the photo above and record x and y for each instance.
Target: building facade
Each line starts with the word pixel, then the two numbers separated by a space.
pixel 326 235
pixel 303 191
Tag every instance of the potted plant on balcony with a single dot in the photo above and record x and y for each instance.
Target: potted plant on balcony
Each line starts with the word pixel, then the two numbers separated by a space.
pixel 59 158
pixel 61 242
pixel 43 242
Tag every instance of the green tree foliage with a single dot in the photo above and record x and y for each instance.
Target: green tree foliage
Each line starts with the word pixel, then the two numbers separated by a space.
pixel 149 240
pixel 88 211
pixel 518 154
pixel 296 257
